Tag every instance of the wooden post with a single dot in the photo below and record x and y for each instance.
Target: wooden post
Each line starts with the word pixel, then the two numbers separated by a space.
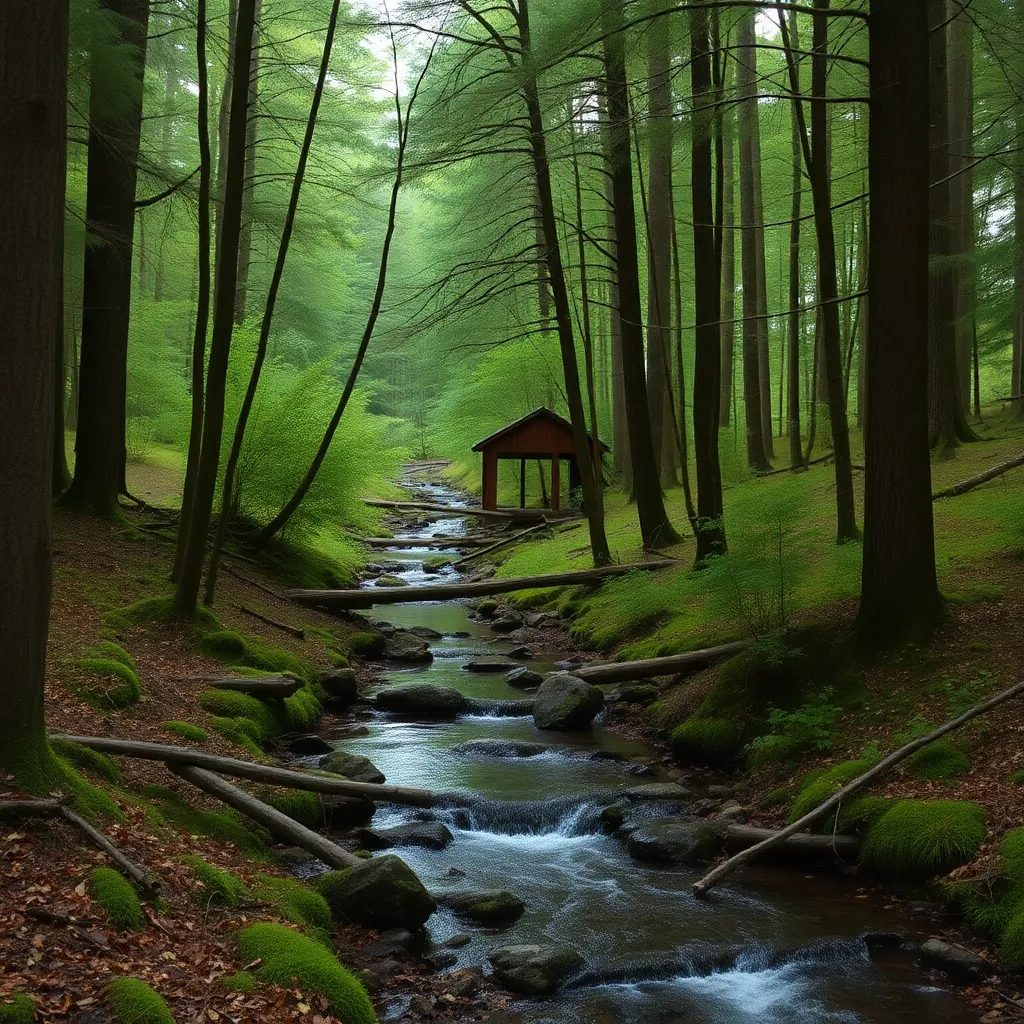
pixel 522 483
pixel 556 484
pixel 490 481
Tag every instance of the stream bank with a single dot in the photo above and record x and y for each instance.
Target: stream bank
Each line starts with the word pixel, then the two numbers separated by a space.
pixel 526 811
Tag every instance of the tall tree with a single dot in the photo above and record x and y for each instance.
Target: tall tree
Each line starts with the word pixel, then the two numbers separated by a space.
pixel 187 593
pixel 746 84
pixel 796 456
pixel 655 527
pixel 115 126
pixel 710 528
pixel 899 592
pixel 33 82
pixel 249 199
pixel 728 304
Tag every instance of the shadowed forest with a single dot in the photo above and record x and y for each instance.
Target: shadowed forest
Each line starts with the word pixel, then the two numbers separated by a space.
pixel 511 511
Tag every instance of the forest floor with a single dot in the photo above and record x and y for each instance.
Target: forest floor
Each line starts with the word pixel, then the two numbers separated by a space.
pixel 55 942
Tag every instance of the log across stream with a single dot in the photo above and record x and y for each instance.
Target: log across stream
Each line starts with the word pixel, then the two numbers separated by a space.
pixel 773 945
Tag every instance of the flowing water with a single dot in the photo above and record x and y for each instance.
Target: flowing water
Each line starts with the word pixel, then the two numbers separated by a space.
pixel 773 945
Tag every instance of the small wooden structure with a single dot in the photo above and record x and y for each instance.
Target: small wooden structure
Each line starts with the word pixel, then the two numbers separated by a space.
pixel 541 434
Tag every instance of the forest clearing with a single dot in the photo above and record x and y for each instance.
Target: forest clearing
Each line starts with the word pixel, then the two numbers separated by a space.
pixel 511 512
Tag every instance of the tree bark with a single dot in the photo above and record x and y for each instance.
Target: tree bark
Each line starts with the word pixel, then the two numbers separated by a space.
pixel 33 82
pixel 746 72
pixel 764 363
pixel 651 668
pixel 655 527
pixel 710 527
pixel 1017 302
pixel 796 455
pixel 899 592
pixel 249 196
pixel 107 287
pixel 60 474
pixel 187 593
pixel 728 305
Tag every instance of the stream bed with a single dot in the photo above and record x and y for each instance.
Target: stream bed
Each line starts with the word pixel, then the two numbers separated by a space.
pixel 772 945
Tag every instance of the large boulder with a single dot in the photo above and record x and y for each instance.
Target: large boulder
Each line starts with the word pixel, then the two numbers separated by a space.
pixel 659 791
pixel 352 766
pixel 523 678
pixel 634 693
pixel 424 699
pixel 488 666
pixel 340 685
pixel 534 970
pixel 566 702
pixel 507 623
pixel 501 748
pixel 381 893
pixel 670 841
pixel 434 835
pixel 408 647
pixel 489 906
pixel 959 963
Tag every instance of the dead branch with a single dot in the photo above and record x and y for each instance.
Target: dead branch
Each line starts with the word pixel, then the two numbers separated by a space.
pixel 974 481
pixel 299 634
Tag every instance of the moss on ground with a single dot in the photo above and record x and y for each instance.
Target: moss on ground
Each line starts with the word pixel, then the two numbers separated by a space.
pixel 260 721
pixel 294 901
pixel 243 732
pixel 819 786
pixel 187 731
pixel 859 815
pixel 367 644
pixel 133 1002
pixel 918 839
pixel 289 956
pixel 939 761
pixel 116 685
pixel 219 884
pixel 93 761
pixel 235 648
pixel 116 895
pixel 17 1008
pixel 156 609
pixel 302 806
pixel 225 825
pixel 244 982
pixel 706 740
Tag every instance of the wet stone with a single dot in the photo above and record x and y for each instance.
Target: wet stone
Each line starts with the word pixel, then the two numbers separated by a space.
pixel 352 766
pixel 534 970
pixel 489 665
pixel 308 743
pixel 566 702
pixel 488 906
pixel 506 624
pixel 959 963
pixel 500 748
pixel 521 653
pixel 523 678
pixel 670 841
pixel 433 835
pixel 422 699
pixel 340 685
pixel 406 646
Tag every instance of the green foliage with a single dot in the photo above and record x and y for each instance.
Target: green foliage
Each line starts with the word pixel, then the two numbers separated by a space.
pixel 155 609
pixel 93 761
pixel 367 645
pixel 302 806
pixel 288 955
pixel 919 839
pixel 939 760
pixel 118 898
pixel 295 901
pixel 1017 777
pixel 993 903
pixel 225 825
pixel 811 726
pixel 116 687
pixel 710 741
pixel 231 704
pixel 187 731
pixel 243 982
pixel 243 732
pixel 232 648
pixel 220 885
pixel 817 788
pixel 17 1008
pixel 860 814
pixel 134 1002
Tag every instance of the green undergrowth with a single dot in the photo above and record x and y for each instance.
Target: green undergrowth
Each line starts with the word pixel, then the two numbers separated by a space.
pixel 817 787
pixel 295 901
pixel 17 1008
pixel 219 886
pixel 113 682
pixel 226 825
pixel 919 839
pixel 257 721
pixel 366 644
pixel 96 763
pixel 187 731
pixel 133 1002
pixel 243 983
pixel 939 761
pixel 301 805
pixel 287 957
pixel 118 898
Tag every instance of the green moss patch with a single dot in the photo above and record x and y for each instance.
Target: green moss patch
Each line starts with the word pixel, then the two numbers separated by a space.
pixel 288 955
pixel 17 1008
pixel 260 721
pixel 156 609
pixel 817 788
pixel 187 731
pixel 710 741
pixel 918 839
pixel 218 884
pixel 133 1002
pixel 225 825
pixel 118 898
pixel 243 982
pixel 234 648
pixel 367 644
pixel 92 761
pixel 295 901
pixel 938 761
pixel 114 685
pixel 243 732
pixel 300 805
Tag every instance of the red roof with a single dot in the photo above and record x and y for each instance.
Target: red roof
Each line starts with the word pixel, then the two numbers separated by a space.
pixel 559 421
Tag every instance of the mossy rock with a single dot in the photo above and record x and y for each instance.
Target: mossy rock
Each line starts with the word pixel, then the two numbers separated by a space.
pixel 367 644
pixel 295 901
pixel 300 805
pixel 133 1002
pixel 287 956
pixel 298 713
pixel 220 886
pixel 187 731
pixel 918 839
pixel 234 648
pixel 156 609
pixel 435 563
pixel 819 786
pixel 495 907
pixel 382 893
pixel 708 741
pixel 115 894
pixel 17 1008
pixel 939 761
pixel 352 766
pixel 116 687
pixel 93 761
pixel 487 608
pixel 859 815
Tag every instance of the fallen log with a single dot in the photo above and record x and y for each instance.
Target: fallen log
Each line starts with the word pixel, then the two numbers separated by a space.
pixel 280 825
pixel 501 543
pixel 299 634
pixel 251 582
pixel 712 878
pixel 801 845
pixel 59 809
pixel 271 688
pixel 648 668
pixel 974 481
pixel 367 598
pixel 427 542
pixel 470 510
pixel 267 774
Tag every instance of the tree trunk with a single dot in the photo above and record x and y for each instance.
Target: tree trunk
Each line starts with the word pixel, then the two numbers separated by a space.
pixel 655 527
pixel 198 360
pixel 899 593
pixel 796 455
pixel 746 72
pixel 863 338
pixel 764 363
pixel 171 85
pixel 223 117
pixel 33 82
pixel 60 474
pixel 710 528
pixel 107 288
pixel 1017 305
pixel 249 198
pixel 187 594
pixel 227 491
pixel 728 305
pixel 659 248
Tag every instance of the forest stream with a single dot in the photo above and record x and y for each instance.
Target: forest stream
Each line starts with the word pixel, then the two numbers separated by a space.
pixel 775 945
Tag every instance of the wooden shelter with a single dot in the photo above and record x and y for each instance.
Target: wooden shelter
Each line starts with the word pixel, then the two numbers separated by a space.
pixel 542 435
